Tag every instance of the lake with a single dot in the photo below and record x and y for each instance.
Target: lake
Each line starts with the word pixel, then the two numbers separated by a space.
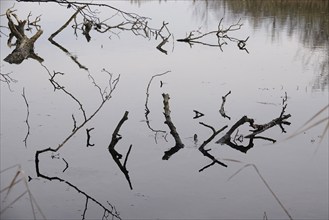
pixel 137 111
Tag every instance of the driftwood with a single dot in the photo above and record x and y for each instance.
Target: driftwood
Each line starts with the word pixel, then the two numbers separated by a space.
pixel 24 45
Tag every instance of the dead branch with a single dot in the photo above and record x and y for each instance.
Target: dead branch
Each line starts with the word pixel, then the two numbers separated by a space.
pixel 51 39
pixel 57 86
pixel 24 46
pixel 197 37
pixel 108 211
pixel 178 142
pixel 39 174
pixel 6 78
pixel 27 118
pixel 163 37
pixel 221 110
pixel 147 110
pixel 206 152
pixel 257 129
pixel 117 156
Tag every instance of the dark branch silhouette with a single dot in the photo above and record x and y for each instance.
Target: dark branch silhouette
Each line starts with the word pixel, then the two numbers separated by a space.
pixel 178 142
pixel 104 97
pixel 51 39
pixel 256 130
pixel 206 152
pixel 116 137
pixel 112 212
pixel 88 137
pixel 197 114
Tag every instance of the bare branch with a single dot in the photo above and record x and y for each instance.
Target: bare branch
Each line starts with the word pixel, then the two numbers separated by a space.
pixel 117 156
pixel 27 118
pixel 178 142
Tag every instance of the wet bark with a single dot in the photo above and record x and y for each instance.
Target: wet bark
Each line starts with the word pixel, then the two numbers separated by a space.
pixel 24 45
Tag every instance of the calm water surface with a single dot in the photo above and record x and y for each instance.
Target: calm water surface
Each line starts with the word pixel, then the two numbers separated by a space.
pixel 288 54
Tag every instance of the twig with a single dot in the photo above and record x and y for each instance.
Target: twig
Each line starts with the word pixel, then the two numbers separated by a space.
pixel 197 114
pixel 67 182
pixel 88 137
pixel 27 118
pixel 147 110
pixel 5 77
pixel 66 165
pixel 221 110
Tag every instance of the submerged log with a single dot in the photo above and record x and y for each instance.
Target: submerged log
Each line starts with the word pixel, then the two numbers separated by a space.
pixel 24 45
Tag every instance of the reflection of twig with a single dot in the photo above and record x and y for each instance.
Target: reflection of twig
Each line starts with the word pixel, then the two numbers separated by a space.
pixel 197 114
pixel 117 156
pixel 221 34
pixel 51 39
pixel 221 110
pixel 59 87
pixel 164 38
pixel 206 152
pixel 5 77
pixel 85 210
pixel 88 137
pixel 108 92
pixel 27 118
pixel 147 110
pixel 66 165
pixel 74 123
pixel 114 214
pixel 265 183
pixel 178 142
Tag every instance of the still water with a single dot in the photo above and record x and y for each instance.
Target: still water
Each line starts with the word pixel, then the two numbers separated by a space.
pixel 284 62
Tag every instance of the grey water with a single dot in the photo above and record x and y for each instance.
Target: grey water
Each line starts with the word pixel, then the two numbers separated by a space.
pixel 285 58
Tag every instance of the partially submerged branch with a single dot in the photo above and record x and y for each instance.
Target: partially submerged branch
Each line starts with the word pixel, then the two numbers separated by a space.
pixel 222 34
pixel 257 129
pixel 24 45
pixel 51 39
pixel 77 127
pixel 178 142
pixel 206 152
pixel 117 156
